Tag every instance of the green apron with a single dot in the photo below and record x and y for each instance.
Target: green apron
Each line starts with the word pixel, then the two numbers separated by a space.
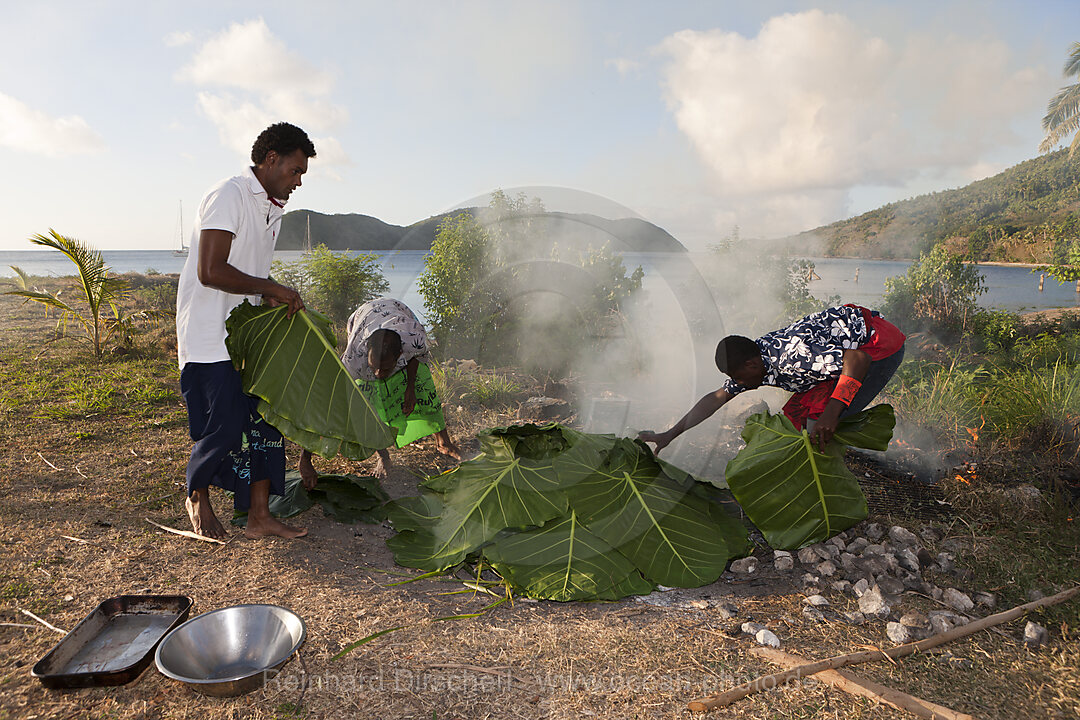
pixel 386 397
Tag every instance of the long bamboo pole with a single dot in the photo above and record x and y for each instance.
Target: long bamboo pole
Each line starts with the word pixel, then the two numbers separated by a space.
pixel 768 682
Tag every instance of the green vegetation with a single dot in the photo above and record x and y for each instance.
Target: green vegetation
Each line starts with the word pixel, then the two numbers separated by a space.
pixel 736 268
pixel 1028 213
pixel 1063 111
pixel 505 292
pixel 101 293
pixel 938 291
pixel 333 283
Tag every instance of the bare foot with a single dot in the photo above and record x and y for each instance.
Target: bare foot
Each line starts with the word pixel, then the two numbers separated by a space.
pixel 203 519
pixel 271 526
pixel 382 465
pixel 446 446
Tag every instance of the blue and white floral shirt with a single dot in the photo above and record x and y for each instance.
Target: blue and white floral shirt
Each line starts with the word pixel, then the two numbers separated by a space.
pixel 809 351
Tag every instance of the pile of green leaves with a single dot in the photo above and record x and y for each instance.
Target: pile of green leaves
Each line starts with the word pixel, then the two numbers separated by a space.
pixel 346 498
pixel 565 515
pixel 795 494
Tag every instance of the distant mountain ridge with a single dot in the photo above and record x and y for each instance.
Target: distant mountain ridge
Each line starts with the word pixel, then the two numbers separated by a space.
pixel 363 232
pixel 1026 213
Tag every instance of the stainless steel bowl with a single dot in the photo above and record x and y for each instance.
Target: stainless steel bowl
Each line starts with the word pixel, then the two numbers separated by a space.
pixel 231 651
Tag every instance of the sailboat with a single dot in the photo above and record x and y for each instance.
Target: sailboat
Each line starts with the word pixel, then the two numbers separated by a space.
pixel 183 251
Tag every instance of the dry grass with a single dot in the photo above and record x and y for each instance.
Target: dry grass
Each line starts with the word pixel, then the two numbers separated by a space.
pixel 527 660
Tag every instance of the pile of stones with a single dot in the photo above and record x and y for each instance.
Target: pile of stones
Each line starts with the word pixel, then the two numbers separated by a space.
pixel 877 565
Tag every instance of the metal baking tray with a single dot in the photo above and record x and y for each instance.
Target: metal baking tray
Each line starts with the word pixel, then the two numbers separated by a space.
pixel 114 643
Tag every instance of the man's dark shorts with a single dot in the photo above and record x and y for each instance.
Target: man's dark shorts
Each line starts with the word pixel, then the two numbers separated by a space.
pixel 234 446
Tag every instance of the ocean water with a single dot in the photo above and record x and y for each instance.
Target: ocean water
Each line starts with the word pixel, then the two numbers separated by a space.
pixel 1009 287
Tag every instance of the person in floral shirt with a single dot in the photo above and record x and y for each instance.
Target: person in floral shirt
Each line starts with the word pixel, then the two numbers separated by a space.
pixel 835 362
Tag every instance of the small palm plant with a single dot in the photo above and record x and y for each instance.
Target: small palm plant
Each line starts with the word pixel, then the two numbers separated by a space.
pixel 103 317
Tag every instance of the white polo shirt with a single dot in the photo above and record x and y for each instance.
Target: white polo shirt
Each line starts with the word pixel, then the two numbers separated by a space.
pixel 241 206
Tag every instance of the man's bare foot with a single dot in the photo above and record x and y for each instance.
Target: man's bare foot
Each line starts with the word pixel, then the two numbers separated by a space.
pixel 382 465
pixel 270 526
pixel 203 519
pixel 446 446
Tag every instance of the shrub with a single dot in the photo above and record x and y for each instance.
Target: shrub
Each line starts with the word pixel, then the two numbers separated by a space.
pixel 333 283
pixel 938 292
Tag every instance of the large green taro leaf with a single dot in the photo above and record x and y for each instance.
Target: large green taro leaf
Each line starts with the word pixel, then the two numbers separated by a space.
pixel 305 391
pixel 647 516
pixel 350 498
pixel 479 498
pixel 563 561
pixel 871 429
pixel 793 493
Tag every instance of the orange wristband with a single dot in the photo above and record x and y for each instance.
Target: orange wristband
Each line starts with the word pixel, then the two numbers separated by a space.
pixel 846 389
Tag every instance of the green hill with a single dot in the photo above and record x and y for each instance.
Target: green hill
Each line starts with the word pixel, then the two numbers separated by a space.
pixel 363 232
pixel 1028 213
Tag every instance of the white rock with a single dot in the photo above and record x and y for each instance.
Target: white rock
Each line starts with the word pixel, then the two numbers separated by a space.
pixel 1035 634
pixel 827 568
pixel 744 566
pixel 807 556
pixel 837 542
pixel 873 603
pixel 860 587
pixel 813 614
pixel 766 637
pixel 957 600
pixel 945 562
pixel 874 531
pixel 902 536
pixel 817 601
pixel 874 549
pixel 780 553
pixel 784 563
pixel 898 633
pixel 856 546
pixel 809 580
pixel 841 586
pixel 854 618
pixel 726 611
pixel 915 619
pixel 945 620
pixel 890 585
pixel 908 559
pixel 752 628
pixel 987 600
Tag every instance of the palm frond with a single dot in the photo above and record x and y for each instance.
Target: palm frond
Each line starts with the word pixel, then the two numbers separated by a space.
pixel 1062 117
pixel 1072 65
pixel 22 280
pixel 44 298
pixel 91 266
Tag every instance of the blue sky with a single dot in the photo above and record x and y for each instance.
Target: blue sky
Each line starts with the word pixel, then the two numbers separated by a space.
pixel 773 116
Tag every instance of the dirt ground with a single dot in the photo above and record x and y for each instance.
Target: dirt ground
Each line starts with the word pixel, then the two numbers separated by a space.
pixel 78 486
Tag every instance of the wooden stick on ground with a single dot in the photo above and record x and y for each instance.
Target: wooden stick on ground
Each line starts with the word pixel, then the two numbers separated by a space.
pixel 185 533
pixel 851 683
pixel 768 682
pixel 43 622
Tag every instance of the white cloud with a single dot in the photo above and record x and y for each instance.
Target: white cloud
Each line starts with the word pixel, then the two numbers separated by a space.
pixel 790 120
pixel 623 66
pixel 249 79
pixel 33 131
pixel 179 38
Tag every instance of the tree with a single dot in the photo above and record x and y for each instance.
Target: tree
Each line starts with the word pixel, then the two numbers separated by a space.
pixel 103 318
pixel 1063 111
pixel 496 288
pixel 334 283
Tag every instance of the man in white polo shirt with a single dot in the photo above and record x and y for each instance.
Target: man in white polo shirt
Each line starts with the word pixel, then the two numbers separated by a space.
pixel 232 247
